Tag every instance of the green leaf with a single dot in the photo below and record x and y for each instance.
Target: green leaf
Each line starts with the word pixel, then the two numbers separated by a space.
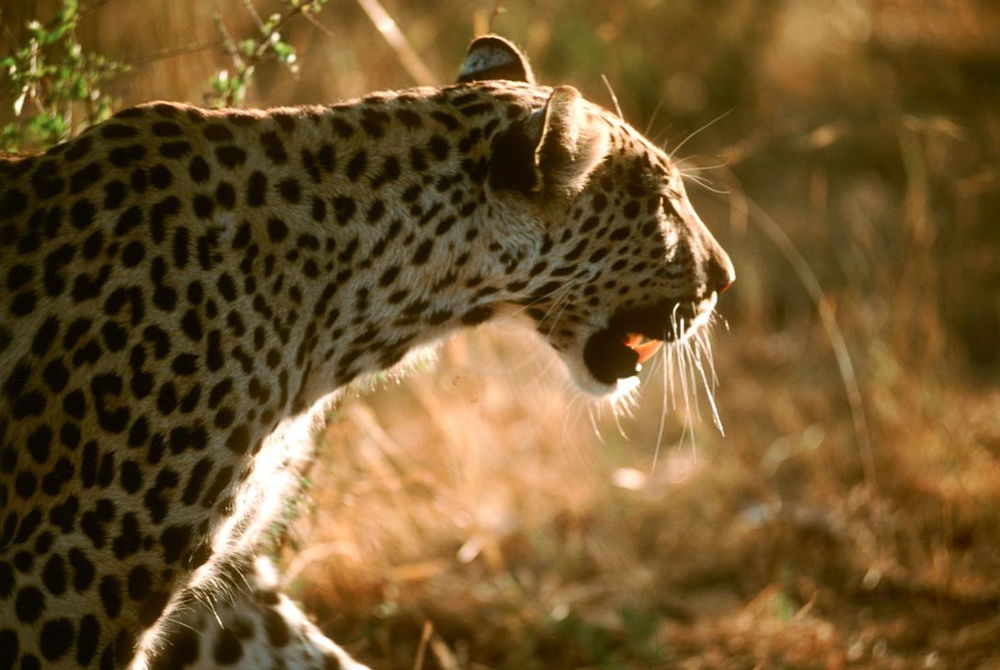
pixel 248 46
pixel 284 51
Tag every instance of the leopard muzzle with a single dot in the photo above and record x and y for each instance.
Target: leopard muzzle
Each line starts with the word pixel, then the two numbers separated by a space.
pixel 634 335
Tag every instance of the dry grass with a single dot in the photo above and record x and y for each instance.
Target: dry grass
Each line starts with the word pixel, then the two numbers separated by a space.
pixel 480 507
pixel 820 532
pixel 480 515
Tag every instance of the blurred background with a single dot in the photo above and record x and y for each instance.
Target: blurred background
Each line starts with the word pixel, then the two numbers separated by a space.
pixel 479 513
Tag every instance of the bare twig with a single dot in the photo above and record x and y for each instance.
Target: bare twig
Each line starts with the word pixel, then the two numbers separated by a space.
pixel 9 37
pixel 445 658
pixel 173 52
pixel 90 8
pixel 252 11
pixel 227 40
pixel 497 9
pixel 425 638
pixel 407 56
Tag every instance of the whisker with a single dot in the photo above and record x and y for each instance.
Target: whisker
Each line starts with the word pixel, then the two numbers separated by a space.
pixel 703 127
pixel 534 360
pixel 652 117
pixel 621 404
pixel 674 364
pixel 689 378
pixel 625 403
pixel 695 167
pixel 570 283
pixel 557 307
pixel 699 345
pixel 555 320
pixel 614 98
pixel 707 337
pixel 594 423
pixel 576 405
pixel 705 183
pixel 663 412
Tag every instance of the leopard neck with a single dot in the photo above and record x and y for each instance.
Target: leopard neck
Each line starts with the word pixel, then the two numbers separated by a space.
pixel 378 245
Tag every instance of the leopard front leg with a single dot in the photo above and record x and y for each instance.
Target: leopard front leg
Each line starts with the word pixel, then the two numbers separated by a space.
pixel 252 626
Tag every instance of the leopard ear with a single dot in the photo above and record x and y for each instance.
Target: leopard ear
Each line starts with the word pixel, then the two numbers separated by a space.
pixel 573 142
pixel 493 57
pixel 552 151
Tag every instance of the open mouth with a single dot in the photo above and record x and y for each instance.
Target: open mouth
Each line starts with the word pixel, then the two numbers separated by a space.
pixel 633 336
pixel 643 346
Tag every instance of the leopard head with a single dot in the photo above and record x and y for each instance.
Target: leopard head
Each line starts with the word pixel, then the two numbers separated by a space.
pixel 617 260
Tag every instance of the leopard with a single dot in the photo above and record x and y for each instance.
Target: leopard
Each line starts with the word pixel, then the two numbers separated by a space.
pixel 186 291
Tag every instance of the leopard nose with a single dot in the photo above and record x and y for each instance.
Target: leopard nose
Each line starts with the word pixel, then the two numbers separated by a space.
pixel 719 272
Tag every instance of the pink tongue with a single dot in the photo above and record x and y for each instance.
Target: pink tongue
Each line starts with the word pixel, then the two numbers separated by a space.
pixel 644 349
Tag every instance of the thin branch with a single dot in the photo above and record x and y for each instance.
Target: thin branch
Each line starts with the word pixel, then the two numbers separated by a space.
pixel 407 56
pixel 9 37
pixel 497 8
pixel 252 10
pixel 173 52
pixel 90 8
pixel 227 40
pixel 425 638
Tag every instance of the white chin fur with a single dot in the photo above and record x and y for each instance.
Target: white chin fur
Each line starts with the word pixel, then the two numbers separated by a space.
pixel 586 383
pixel 626 386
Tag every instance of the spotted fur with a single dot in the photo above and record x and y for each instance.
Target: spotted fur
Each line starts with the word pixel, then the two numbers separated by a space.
pixel 183 289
